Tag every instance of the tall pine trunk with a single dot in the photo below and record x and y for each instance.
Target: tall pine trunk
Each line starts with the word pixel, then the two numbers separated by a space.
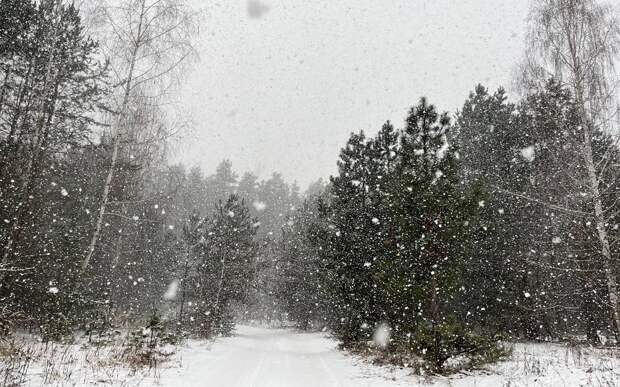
pixel 35 150
pixel 220 285
pixel 5 83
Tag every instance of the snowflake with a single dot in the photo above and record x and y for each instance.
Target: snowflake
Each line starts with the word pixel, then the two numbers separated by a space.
pixel 528 153
pixel 259 206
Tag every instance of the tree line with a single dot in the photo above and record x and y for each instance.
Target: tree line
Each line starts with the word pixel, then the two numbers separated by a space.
pixel 501 221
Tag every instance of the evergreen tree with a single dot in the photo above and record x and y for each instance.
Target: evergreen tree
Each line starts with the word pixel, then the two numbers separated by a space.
pixel 435 214
pixel 224 268
pixel 345 246
pixel 300 271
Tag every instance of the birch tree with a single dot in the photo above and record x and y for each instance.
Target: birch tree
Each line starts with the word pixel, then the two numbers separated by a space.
pixel 577 42
pixel 148 42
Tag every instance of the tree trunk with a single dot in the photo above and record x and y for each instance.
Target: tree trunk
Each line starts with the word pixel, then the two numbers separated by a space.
pixel 605 251
pixel 182 283
pixel 599 215
pixel 434 309
pixel 21 94
pixel 7 75
pixel 220 285
pixel 35 150
pixel 115 150
pixel 104 202
pixel 117 254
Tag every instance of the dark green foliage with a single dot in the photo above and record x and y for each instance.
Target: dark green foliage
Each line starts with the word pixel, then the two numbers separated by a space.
pixel 391 242
pixel 451 340
pixel 50 86
pixel 535 245
pixel 221 267
pixel 144 347
pixel 300 270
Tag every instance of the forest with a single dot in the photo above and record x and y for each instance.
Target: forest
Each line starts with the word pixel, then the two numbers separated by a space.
pixel 448 233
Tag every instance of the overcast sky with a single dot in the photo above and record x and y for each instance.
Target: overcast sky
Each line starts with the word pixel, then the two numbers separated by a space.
pixel 281 83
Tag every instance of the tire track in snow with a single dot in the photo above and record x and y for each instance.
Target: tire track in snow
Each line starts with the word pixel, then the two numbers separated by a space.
pixel 330 375
pixel 252 379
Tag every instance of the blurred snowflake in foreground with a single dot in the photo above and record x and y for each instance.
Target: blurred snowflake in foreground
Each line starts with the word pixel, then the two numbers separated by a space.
pixel 257 9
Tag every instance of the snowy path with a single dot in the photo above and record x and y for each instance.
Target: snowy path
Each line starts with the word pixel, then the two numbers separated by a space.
pixel 260 357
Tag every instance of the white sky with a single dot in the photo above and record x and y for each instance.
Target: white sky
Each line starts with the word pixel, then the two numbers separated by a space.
pixel 282 92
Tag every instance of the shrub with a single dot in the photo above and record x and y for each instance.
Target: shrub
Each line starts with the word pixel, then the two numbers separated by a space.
pixel 145 347
pixel 451 345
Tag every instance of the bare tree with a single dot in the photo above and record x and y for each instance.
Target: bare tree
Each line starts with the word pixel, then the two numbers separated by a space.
pixel 148 42
pixel 577 42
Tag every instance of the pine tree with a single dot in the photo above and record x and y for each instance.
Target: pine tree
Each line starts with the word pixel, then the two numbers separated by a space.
pixel 51 90
pixel 224 268
pixel 435 214
pixel 489 138
pixel 348 222
pixel 300 271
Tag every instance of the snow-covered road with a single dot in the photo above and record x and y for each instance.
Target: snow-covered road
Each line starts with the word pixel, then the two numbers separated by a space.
pixel 261 357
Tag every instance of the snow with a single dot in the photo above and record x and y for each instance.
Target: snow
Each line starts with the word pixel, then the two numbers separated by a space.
pixel 259 206
pixel 528 153
pixel 441 152
pixel 381 336
pixel 257 9
pixel 261 357
pixel 266 357
pixel 171 292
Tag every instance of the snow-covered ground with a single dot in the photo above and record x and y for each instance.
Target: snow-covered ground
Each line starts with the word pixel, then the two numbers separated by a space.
pixel 265 357
pixel 259 357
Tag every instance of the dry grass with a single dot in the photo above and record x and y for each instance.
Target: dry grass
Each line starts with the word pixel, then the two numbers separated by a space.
pixel 24 360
